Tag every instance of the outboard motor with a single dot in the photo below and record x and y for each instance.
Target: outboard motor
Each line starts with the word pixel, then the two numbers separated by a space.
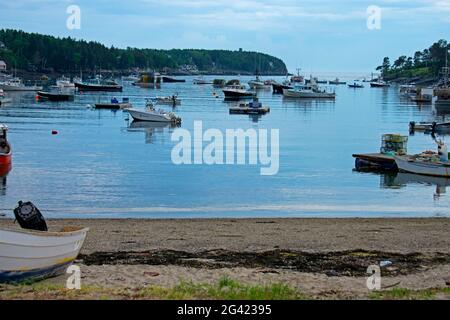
pixel 29 217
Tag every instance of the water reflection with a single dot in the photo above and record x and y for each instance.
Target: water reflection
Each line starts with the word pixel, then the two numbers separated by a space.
pixel 4 170
pixel 402 179
pixel 151 129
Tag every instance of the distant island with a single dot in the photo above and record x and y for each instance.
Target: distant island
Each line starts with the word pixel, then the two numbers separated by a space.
pixel 32 52
pixel 422 68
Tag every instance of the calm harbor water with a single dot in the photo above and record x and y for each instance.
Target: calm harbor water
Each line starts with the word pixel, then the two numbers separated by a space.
pixel 101 165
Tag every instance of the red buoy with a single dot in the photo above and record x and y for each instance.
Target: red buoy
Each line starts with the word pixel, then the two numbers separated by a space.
pixel 54 132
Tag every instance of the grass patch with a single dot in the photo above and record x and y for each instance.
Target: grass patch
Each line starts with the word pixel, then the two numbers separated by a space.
pixel 408 294
pixel 225 289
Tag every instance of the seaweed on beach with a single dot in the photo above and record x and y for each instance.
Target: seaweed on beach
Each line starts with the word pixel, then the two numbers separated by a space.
pixel 343 263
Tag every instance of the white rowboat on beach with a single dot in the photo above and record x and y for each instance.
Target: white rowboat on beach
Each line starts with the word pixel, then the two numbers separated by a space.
pixel 35 255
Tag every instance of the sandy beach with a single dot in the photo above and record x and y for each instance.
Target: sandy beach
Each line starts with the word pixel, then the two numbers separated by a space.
pixel 321 258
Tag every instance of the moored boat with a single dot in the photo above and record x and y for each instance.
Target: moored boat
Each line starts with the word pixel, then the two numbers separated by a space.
pixel 64 83
pixel 426 163
pixel 171 80
pixel 202 81
pixel 309 91
pixel 172 100
pixel 429 126
pixel 16 84
pixel 379 84
pixel 237 92
pixel 114 104
pixel 150 114
pixel 98 85
pixel 5 147
pixel 355 85
pixel 254 107
pixel 336 82
pixel 278 87
pixel 54 96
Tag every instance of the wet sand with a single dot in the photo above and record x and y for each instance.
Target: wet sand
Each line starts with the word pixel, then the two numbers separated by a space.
pixel 323 258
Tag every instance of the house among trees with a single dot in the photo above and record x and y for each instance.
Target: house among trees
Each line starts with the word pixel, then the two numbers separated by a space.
pixel 2 65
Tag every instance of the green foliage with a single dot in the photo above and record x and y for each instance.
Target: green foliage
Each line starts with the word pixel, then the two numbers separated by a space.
pixel 424 63
pixel 42 52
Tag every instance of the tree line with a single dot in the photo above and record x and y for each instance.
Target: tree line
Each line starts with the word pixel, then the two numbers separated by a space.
pixel 43 52
pixel 428 62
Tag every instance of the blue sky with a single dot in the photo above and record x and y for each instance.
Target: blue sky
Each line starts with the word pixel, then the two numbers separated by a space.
pixel 315 35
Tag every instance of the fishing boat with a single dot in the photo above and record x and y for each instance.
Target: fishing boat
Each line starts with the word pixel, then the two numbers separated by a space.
pixel 149 80
pixel 98 84
pixel 297 79
pixel 379 84
pixel 356 85
pixel 201 81
pixel 254 107
pixel 423 95
pixel 5 147
pixel 172 100
pixel 442 92
pixel 16 84
pixel 336 81
pixel 277 88
pixel 151 114
pixel 219 83
pixel 54 96
pixel 36 255
pixel 171 80
pixel 130 78
pixel 429 126
pixel 3 99
pixel 237 92
pixel 309 91
pixel 257 83
pixel 115 104
pixel 64 83
pixel 421 165
pixel 428 163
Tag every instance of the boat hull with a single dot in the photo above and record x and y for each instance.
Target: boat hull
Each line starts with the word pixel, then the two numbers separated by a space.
pixel 92 87
pixel 278 88
pixel 6 87
pixel 54 97
pixel 232 94
pixel 289 93
pixel 37 255
pixel 112 106
pixel 172 80
pixel 407 164
pixel 148 116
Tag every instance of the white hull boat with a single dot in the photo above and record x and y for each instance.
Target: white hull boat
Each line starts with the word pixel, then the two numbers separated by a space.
pixel 153 115
pixel 308 94
pixel 36 255
pixel 429 168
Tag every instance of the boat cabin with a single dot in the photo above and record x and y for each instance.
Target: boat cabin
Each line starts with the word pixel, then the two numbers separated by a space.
pixel 4 145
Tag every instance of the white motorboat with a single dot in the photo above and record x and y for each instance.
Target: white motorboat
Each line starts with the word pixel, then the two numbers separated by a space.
pixel 202 81
pixel 151 114
pixel 257 83
pixel 309 91
pixel 379 84
pixel 16 84
pixel 233 92
pixel 35 255
pixel 64 83
pixel 3 99
pixel 170 100
pixel 423 166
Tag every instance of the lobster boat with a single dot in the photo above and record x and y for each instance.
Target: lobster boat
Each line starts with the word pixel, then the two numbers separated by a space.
pixel 54 96
pixel 5 147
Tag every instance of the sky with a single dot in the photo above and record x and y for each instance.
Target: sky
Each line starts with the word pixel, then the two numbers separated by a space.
pixel 314 35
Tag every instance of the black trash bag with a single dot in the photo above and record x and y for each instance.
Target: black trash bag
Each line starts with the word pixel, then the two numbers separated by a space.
pixel 29 217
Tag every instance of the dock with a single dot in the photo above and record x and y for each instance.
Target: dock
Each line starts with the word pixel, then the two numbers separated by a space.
pixel 378 161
